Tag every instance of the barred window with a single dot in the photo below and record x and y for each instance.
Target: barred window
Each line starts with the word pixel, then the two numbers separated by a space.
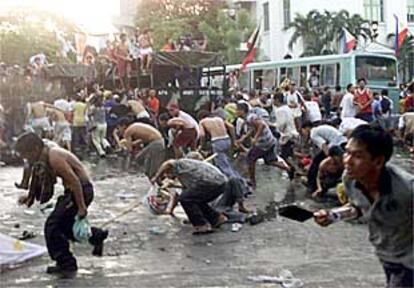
pixel 374 10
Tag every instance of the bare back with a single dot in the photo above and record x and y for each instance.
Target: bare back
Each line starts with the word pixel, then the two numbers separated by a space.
pixel 143 132
pixel 214 126
pixel 38 110
pixel 136 106
pixel 62 161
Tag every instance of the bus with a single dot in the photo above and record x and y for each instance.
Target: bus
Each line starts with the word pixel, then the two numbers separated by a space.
pixel 379 70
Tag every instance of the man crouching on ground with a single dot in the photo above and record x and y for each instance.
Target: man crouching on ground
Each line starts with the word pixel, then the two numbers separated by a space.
pixel 202 182
pixel 78 195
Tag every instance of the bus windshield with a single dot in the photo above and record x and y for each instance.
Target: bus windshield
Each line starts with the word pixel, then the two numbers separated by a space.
pixel 376 69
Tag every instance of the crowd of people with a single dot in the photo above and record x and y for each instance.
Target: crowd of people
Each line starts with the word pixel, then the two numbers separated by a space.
pixel 305 134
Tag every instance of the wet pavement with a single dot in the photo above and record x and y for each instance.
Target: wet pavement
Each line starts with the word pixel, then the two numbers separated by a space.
pixel 152 251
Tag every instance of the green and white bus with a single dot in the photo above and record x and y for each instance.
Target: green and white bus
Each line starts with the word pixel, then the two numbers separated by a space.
pixel 379 70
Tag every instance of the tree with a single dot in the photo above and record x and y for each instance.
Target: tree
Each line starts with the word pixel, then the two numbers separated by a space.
pixel 320 32
pixel 405 56
pixel 25 33
pixel 200 18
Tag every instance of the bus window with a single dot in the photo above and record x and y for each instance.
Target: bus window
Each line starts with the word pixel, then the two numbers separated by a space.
pixel 269 78
pixel 328 75
pixel 283 74
pixel 376 69
pixel 258 79
pixel 314 76
pixel 295 74
pixel 303 76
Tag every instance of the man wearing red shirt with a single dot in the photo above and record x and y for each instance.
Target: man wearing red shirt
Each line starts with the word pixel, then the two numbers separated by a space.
pixel 363 100
pixel 153 102
pixel 409 100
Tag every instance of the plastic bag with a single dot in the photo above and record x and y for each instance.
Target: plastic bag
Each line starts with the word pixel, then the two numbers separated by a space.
pixel 81 229
pixel 155 201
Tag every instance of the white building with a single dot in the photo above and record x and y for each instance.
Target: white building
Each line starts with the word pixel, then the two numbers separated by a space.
pixel 277 14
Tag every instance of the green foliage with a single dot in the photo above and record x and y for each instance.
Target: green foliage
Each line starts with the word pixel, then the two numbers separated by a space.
pixel 26 33
pixel 175 18
pixel 320 32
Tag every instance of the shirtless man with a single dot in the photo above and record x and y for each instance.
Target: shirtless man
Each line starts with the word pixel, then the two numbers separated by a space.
pixel 187 129
pixel 37 120
pixel 138 109
pixel 219 131
pixel 147 142
pixel 145 49
pixel 78 195
pixel 62 133
pixel 123 59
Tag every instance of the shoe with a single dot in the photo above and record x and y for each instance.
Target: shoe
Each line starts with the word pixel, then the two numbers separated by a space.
pixel 65 272
pixel 204 229
pixel 221 220
pixel 97 240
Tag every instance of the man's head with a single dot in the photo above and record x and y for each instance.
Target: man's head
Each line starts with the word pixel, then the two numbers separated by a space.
pixel 242 110
pixel 375 95
pixel 29 146
pixel 292 87
pixel 152 93
pixel 338 88
pixel 367 151
pixel 337 154
pixel 122 124
pixel 384 92
pixel 350 88
pixel 163 119
pixel 123 37
pixel 203 114
pixel 173 109
pixel 361 83
pixel 278 99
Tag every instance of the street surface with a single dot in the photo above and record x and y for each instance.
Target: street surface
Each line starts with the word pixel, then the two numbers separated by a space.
pixel 149 251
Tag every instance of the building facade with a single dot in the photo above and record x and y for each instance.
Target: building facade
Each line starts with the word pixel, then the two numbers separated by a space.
pixel 275 15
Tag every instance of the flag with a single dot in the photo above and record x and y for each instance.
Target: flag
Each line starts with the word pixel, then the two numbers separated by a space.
pixel 252 47
pixel 401 31
pixel 349 41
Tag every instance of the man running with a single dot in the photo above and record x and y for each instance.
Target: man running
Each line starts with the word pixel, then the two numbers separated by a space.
pixel 51 163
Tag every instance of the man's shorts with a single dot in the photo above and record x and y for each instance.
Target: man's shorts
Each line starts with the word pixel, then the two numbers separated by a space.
pixel 186 138
pixel 268 156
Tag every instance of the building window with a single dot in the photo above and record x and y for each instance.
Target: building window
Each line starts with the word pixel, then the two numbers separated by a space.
pixel 266 16
pixel 286 13
pixel 410 10
pixel 374 10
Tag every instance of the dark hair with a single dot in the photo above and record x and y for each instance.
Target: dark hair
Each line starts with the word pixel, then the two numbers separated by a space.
pixel 279 97
pixel 384 92
pixel 243 107
pixel 349 86
pixel 335 151
pixel 123 121
pixel 307 124
pixel 362 79
pixel 338 87
pixel 164 117
pixel 28 141
pixel 203 114
pixel 376 139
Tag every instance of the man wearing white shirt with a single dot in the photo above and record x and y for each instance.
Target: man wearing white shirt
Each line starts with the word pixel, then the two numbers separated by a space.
pixel 294 99
pixel 313 110
pixel 285 125
pixel 188 129
pixel 347 104
pixel 324 137
pixel 348 124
